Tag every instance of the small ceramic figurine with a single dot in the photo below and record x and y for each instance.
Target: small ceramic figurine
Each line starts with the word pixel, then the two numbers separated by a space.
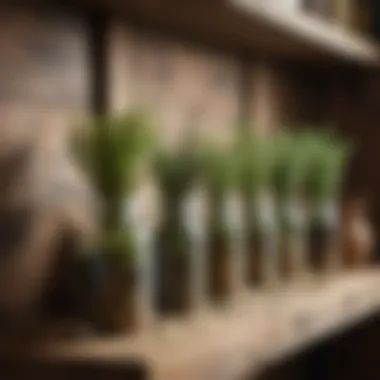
pixel 357 234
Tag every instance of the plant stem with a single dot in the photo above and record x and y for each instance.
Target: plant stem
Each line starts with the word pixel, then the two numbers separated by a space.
pixel 113 218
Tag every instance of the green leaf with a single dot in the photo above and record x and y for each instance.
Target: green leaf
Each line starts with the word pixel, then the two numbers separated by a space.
pixel 328 165
pixel 176 171
pixel 257 159
pixel 110 150
pixel 222 167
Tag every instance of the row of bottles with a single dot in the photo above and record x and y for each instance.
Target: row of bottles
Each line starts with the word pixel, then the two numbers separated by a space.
pixel 213 219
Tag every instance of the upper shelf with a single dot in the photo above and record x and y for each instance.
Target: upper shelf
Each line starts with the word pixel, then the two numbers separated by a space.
pixel 250 27
pixel 313 31
pixel 234 342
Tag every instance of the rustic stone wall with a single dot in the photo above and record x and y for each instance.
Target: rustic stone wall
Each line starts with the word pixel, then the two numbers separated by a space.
pixel 45 89
pixel 44 70
pixel 177 83
pixel 267 101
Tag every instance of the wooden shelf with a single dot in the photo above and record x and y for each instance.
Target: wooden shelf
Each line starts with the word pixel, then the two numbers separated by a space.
pixel 229 343
pixel 249 27
pixel 315 32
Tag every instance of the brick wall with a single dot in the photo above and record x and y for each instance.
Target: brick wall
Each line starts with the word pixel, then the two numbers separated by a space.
pixel 177 83
pixel 44 72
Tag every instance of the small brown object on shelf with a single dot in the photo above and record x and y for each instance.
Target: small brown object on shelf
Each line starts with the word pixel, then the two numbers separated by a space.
pixel 119 312
pixel 292 256
pixel 125 304
pixel 255 254
pixel 357 234
pixel 322 243
pixel 175 288
pixel 222 282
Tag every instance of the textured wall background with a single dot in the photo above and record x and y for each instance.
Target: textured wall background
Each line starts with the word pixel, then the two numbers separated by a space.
pixel 44 89
pixel 44 70
pixel 178 83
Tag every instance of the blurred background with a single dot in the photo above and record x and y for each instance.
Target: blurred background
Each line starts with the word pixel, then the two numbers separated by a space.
pixel 210 128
